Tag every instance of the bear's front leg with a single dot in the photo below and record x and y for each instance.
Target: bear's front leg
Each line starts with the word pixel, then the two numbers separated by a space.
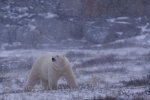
pixel 32 79
pixel 70 77
pixel 30 84
pixel 45 84
pixel 49 85
pixel 52 84
pixel 49 82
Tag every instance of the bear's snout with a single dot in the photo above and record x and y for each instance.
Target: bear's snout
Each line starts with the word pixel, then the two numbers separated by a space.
pixel 53 59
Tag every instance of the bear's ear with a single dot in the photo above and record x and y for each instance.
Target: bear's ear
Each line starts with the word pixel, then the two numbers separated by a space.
pixel 57 56
pixel 53 59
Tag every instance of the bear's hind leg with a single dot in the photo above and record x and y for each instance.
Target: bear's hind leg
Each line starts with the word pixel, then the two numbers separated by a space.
pixel 54 86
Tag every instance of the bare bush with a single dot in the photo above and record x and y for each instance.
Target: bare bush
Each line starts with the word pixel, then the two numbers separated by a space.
pixel 101 60
pixel 138 82
pixel 105 98
pixel 76 54
pixel 147 56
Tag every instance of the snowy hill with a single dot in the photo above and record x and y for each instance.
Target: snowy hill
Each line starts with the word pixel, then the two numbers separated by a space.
pixel 30 24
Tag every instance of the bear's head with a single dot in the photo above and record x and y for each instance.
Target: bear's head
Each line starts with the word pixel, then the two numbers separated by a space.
pixel 59 62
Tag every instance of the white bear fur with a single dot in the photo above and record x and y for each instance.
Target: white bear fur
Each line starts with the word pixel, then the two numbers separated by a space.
pixel 49 72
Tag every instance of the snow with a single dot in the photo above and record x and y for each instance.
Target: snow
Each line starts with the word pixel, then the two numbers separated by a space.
pixel 21 9
pixel 145 28
pixel 118 20
pixel 13 16
pixel 23 15
pixel 141 37
pixel 48 15
pixel 122 18
pixel 139 19
pixel 99 83
pixel 7 25
pixel 121 22
pixel 120 33
pixel 32 27
pixel 6 7
pixel 112 20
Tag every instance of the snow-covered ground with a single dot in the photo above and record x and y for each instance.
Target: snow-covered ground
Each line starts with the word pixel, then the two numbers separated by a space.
pixel 103 72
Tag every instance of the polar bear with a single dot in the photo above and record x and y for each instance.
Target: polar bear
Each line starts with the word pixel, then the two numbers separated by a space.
pixel 48 68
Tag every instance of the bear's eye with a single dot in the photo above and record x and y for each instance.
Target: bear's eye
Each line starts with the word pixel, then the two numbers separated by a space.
pixel 53 59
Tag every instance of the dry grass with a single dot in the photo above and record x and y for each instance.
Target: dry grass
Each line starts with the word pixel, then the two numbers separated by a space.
pixel 138 98
pixel 147 56
pixel 73 56
pixel 100 60
pixel 138 82
pixel 15 63
pixel 118 45
pixel 94 80
pixel 105 98
pixel 76 54
pixel 1 79
pixel 107 70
